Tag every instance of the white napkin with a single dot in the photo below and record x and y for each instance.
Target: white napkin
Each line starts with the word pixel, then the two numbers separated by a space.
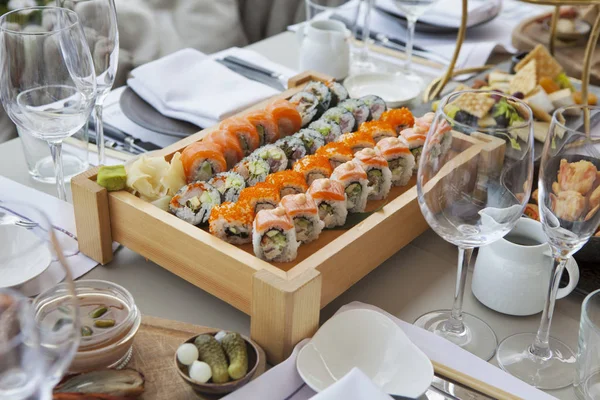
pixel 62 217
pixel 355 385
pixel 190 86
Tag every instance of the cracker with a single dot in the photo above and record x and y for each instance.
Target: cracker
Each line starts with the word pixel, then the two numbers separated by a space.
pixel 477 104
pixel 525 80
pixel 540 114
pixel 546 65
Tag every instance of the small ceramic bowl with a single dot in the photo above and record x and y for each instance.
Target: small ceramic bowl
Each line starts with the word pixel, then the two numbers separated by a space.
pixel 221 388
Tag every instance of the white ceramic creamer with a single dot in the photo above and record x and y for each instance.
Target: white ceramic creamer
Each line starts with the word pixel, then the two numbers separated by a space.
pixel 324 48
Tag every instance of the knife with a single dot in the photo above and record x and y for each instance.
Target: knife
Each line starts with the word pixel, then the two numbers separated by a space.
pixel 128 141
pixel 253 74
pixel 243 63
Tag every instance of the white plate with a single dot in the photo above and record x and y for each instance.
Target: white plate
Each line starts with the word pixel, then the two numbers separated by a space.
pixel 23 256
pixel 395 89
pixel 371 342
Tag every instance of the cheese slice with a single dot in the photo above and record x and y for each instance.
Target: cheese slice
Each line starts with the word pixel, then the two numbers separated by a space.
pixel 539 98
pixel 540 130
pixel 564 98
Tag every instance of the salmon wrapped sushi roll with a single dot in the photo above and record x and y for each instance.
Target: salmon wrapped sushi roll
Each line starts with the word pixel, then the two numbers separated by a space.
pixel 415 143
pixel 356 185
pixel 245 132
pixel 358 108
pixel 232 222
pixel 274 236
pixel 330 130
pixel 288 182
pixel 337 153
pixel 330 199
pixel 400 160
pixel 441 140
pixel 293 148
pixel 399 118
pixel 378 130
pixel 202 160
pixel 357 141
pixel 229 184
pixel 344 118
pixel 376 105
pixel 273 155
pixel 267 129
pixel 229 143
pixel 312 140
pixel 285 115
pixel 313 167
pixel 253 170
pixel 263 196
pixel 305 215
pixel 378 173
pixel 194 202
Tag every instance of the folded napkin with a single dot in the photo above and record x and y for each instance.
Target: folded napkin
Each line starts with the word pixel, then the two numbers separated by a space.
pixel 62 217
pixel 190 86
pixel 355 385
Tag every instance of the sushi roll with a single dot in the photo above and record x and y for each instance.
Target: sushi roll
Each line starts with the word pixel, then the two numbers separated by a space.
pixel 312 140
pixel 330 198
pixel 274 236
pixel 400 160
pixel 378 130
pixel 303 211
pixel 285 116
pixel 244 131
pixel 308 106
pixel 356 185
pixel 273 155
pixel 422 124
pixel 338 93
pixel 288 182
pixel 330 130
pixel 441 140
pixel 376 105
pixel 263 196
pixel 229 184
pixel 337 153
pixel 378 173
pixel 322 92
pixel 399 118
pixel 415 143
pixel 359 109
pixel 194 202
pixel 229 143
pixel 313 167
pixel 344 118
pixel 201 161
pixel 293 148
pixel 357 141
pixel 267 129
pixel 253 170
pixel 232 222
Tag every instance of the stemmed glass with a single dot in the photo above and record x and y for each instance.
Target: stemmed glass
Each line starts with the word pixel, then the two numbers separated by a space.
pixel 38 339
pixel 473 183
pixel 99 21
pixel 47 81
pixel 569 199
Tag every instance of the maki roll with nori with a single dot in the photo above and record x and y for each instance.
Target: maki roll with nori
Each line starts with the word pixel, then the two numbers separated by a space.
pixel 357 141
pixel 337 153
pixel 308 106
pixel 232 222
pixel 229 184
pixel 293 147
pixel 288 182
pixel 330 130
pixel 274 236
pixel 344 118
pixel 313 167
pixel 359 109
pixel 312 140
pixel 322 92
pixel 376 105
pixel 338 93
pixel 263 196
pixel 194 202
pixel 273 155
pixel 253 170
pixel 378 130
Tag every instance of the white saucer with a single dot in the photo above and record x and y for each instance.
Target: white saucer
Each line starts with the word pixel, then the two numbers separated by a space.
pixel 395 89
pixel 23 256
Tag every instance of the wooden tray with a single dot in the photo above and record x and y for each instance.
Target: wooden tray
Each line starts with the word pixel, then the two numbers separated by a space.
pixel 153 350
pixel 282 299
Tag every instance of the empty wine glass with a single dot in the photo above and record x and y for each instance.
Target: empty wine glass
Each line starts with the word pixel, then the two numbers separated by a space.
pixel 569 199
pixel 47 77
pixel 473 182
pixel 99 21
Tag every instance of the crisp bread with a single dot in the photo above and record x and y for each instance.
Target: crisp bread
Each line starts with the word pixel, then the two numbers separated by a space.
pixel 525 80
pixel 546 65
pixel 477 104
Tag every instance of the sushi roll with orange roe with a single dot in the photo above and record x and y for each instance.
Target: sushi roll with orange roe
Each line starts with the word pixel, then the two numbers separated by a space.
pixel 357 141
pixel 303 211
pixel 263 196
pixel 285 115
pixel 378 130
pixel 229 143
pixel 232 222
pixel 274 236
pixel 313 167
pixel 244 131
pixel 330 198
pixel 288 182
pixel 267 129
pixel 399 118
pixel 337 153
pixel 202 160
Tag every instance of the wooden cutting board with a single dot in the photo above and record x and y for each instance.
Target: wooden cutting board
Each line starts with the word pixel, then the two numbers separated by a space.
pixel 153 351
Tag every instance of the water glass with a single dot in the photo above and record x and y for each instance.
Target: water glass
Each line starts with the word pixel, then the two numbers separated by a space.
pixel 587 375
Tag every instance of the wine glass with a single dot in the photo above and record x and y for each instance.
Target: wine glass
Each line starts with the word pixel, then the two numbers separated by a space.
pixel 99 21
pixel 49 325
pixel 473 183
pixel 569 199
pixel 47 83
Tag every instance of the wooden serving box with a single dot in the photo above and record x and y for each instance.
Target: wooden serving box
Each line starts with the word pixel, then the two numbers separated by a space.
pixel 283 299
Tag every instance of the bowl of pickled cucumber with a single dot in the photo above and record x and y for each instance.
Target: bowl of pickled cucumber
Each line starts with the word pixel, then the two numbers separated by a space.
pixel 217 362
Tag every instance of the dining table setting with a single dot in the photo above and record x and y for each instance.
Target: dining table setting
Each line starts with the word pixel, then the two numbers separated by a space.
pixel 391 199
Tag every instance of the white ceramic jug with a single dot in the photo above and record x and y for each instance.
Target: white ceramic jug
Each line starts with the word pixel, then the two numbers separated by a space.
pixel 513 279
pixel 324 48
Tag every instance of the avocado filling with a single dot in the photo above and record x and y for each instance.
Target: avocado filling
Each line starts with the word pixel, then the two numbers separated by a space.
pixel 417 153
pixel 261 133
pixel 304 228
pixel 325 209
pixel 193 204
pixel 375 177
pixel 397 167
pixel 273 243
pixel 353 192
pixel 205 172
pixel 232 231
pixel 257 169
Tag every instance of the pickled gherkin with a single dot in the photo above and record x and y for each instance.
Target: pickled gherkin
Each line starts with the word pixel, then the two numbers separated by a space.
pixel 235 347
pixel 211 352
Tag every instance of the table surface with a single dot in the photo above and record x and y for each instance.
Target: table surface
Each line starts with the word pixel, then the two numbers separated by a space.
pixel 418 279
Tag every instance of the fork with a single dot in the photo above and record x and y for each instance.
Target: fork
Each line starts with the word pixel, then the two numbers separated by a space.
pixel 6 219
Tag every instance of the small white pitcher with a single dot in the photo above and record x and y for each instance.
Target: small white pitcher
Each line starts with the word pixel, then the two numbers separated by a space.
pixel 513 279
pixel 324 47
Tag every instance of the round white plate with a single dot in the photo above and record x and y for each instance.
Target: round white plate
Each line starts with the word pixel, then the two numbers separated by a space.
pixel 395 89
pixel 22 256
